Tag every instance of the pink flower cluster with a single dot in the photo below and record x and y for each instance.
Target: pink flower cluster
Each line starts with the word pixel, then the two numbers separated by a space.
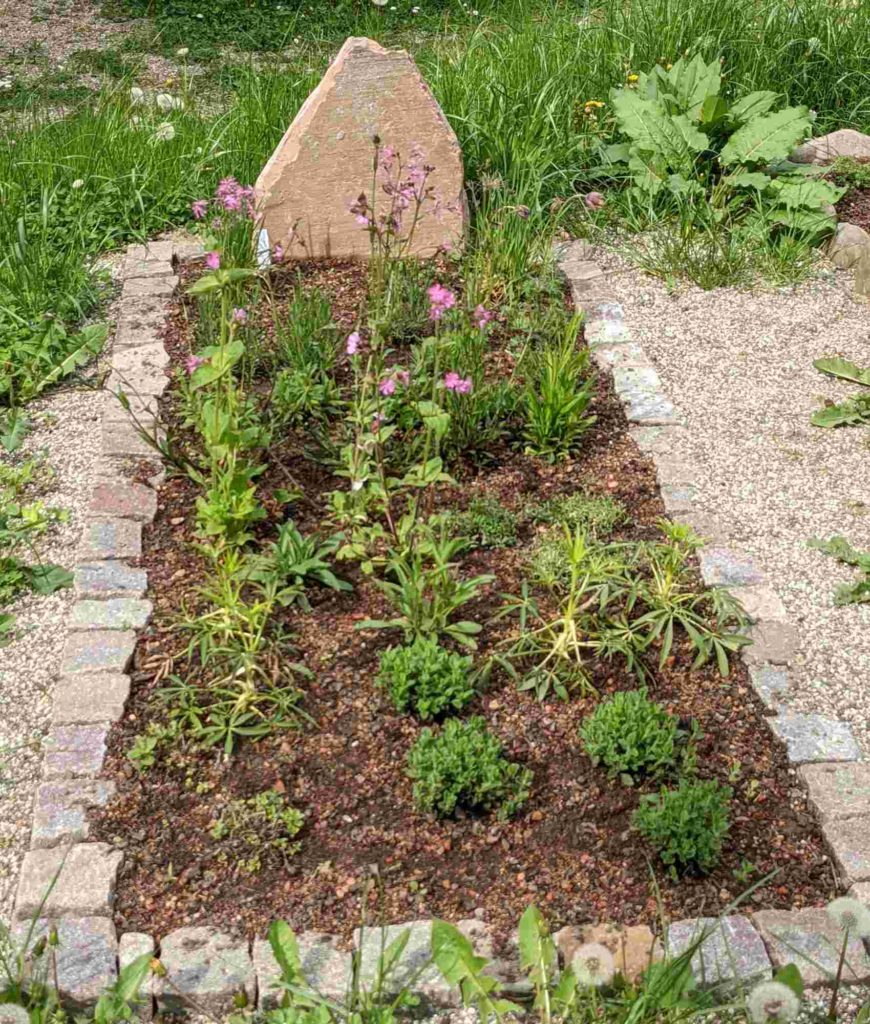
pixel 482 316
pixel 404 186
pixel 192 363
pixel 387 386
pixel 459 385
pixel 594 200
pixel 353 343
pixel 229 196
pixel 440 300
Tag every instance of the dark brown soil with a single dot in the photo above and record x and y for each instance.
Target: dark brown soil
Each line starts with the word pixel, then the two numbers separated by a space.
pixel 571 850
pixel 854 208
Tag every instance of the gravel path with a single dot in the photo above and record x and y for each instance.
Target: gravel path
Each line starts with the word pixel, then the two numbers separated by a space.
pixel 67 431
pixel 739 365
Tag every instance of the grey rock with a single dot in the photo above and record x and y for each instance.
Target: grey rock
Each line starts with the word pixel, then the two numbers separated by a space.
pixel 78 880
pixel 661 442
pixel 140 359
pixel 849 843
pixel 732 953
pixel 60 810
pixel 111 538
pixel 760 602
pixel 848 245
pixel 838 791
pixel 710 529
pixel 155 251
pixel 131 946
pixel 98 650
pixel 158 285
pixel 673 471
pixel 773 642
pixel 123 499
pixel 611 357
pixel 187 249
pixel 505 968
pixel 812 941
pixel 89 699
pixel 722 567
pixel 116 613
pixel 110 579
pixel 428 982
pixel 12 1014
pixel 810 738
pixel 206 965
pixel 606 333
pixel 628 380
pixel 769 681
pixel 862 275
pixel 74 751
pixel 650 408
pixel 678 498
pixel 125 438
pixel 826 148
pixel 326 969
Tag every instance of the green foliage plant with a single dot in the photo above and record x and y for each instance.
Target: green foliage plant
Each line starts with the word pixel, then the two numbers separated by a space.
pixel 593 514
pixel 840 548
pixel 253 827
pixel 293 561
pixel 487 522
pixel 463 765
pixel 424 677
pixel 854 411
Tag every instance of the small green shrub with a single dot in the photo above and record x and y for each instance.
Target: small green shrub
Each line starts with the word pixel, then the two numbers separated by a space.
pixel 260 824
pixel 846 170
pixel 426 677
pixel 686 825
pixel 488 523
pixel 631 734
pixel 594 514
pixel 463 765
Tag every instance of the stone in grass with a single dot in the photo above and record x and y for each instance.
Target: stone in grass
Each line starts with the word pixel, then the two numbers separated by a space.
pixel 812 941
pixel 848 245
pixel 206 966
pixel 634 948
pixel 88 699
pixel 60 810
pixel 773 642
pixel 123 499
pixel 826 148
pixel 74 751
pixel 849 843
pixel 722 567
pixel 811 738
pixel 838 791
pixel 731 954
pixel 86 957
pixel 98 650
pixel 78 880
pixel 769 682
pixel 111 538
pixel 110 578
pixel 324 160
pixel 410 970
pixel 131 946
pixel 326 969
pixel 116 613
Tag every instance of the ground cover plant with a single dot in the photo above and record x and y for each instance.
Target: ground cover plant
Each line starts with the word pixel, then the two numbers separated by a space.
pixel 854 411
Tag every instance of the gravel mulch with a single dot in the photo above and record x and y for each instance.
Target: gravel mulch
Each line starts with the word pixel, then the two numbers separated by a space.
pixel 739 363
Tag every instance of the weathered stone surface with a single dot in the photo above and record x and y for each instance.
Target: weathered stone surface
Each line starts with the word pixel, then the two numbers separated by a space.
pixel 650 408
pixel 678 498
pixel 674 471
pixel 131 946
pixel 206 965
pixel 86 957
pixel 661 442
pixel 862 276
pixel 110 578
pixel 124 438
pixel 116 613
pixel 838 791
pixel 429 984
pixel 826 148
pixel 154 251
pixel 141 358
pixel 325 967
pixel 149 381
pixel 324 160
pixel 12 1014
pixel 710 529
pixel 99 650
pixel 722 567
pixel 773 642
pixel 123 499
pixel 849 842
pixel 187 249
pixel 634 948
pixel 732 953
pixel 848 245
pixel 815 738
pixel 86 699
pixel 611 357
pixel 810 940
pixel 74 751
pixel 143 408
pixel 83 877
pixel 760 603
pixel 60 810
pixel 769 681
pixel 111 538
pixel 606 333
pixel 140 318
pixel 630 379
pixel 158 285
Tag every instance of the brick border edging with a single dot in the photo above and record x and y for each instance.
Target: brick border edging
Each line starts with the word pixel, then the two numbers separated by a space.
pixel 92 688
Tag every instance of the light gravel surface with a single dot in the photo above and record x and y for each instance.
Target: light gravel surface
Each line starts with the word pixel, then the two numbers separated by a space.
pixel 739 363
pixel 67 432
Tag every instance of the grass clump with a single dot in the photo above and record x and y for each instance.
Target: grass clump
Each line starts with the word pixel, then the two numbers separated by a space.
pixel 425 677
pixel 463 765
pixel 597 515
pixel 265 824
pixel 488 523
pixel 686 825
pixel 632 735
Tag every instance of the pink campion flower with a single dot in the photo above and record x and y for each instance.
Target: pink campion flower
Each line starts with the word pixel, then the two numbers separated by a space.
pixel 353 341
pixel 278 253
pixel 240 315
pixel 404 376
pixel 594 200
pixel 213 260
pixel 192 363
pixel 232 201
pixel 440 300
pixel 482 316
pixel 387 387
pixel 199 208
pixel 460 385
pixel 388 154
pixel 464 386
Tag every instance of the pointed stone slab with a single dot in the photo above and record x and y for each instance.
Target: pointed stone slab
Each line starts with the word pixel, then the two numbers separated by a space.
pixel 324 161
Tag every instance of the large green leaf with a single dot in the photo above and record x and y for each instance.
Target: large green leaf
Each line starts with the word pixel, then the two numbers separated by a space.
pixel 753 105
pixel 675 139
pixel 747 179
pixel 843 369
pixel 694 83
pixel 766 137
pixel 805 193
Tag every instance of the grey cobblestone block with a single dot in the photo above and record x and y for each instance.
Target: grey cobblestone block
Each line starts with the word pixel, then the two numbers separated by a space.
pixel 710 529
pixel 116 613
pixel 629 380
pixel 838 791
pixel 429 985
pixel 141 358
pixel 131 946
pixel 111 538
pixel 110 578
pixel 124 438
pixel 147 382
pixel 162 284
pixel 188 250
pixel 810 940
pixel 760 603
pixel 651 409
pixel 123 499
pixel 770 683
pixel 149 267
pixel 157 250
pixel 74 751
pixel 143 408
pixel 849 843
pixel 86 957
pixel 604 333
pixel 60 810
pixel 99 650
pixel 674 471
pixel 732 954
pixel 89 699
pixel 206 965
pixel 678 498
pixel 812 738
pixel 78 880
pixel 324 966
pixel 773 642
pixel 722 567
pixel 662 442
pixel 626 354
